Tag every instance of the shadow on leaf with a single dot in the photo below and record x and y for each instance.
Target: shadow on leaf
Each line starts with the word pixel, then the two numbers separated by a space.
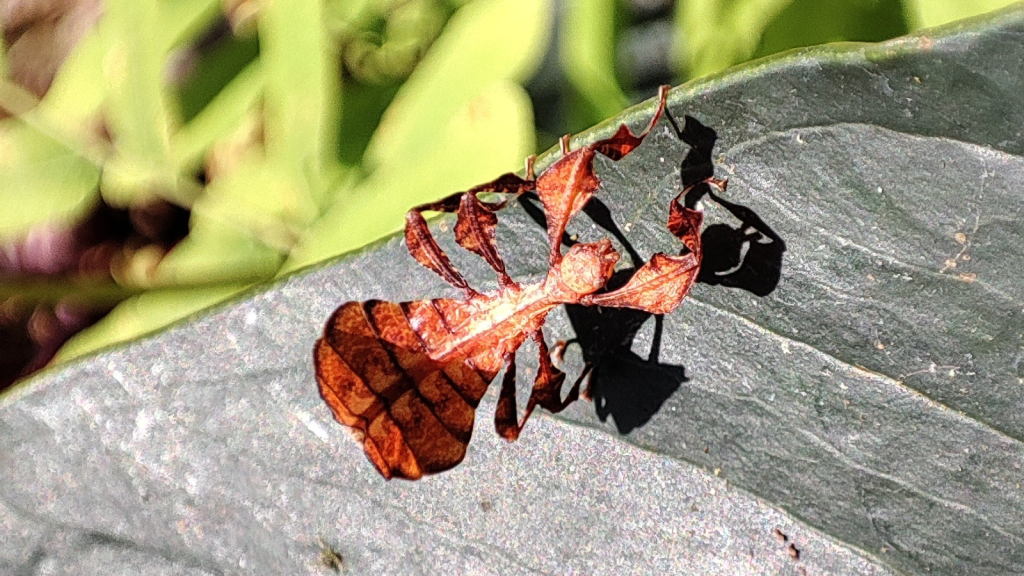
pixel 623 384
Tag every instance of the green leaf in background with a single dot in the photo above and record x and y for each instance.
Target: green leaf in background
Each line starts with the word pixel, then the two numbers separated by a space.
pixel 4 64
pixel 137 113
pixel 494 132
pixel 712 35
pixel 221 116
pixel 381 43
pixel 181 20
pixel 464 100
pixel 924 13
pixel 69 110
pixel 371 101
pixel 860 20
pixel 587 54
pixel 138 316
pixel 212 70
pixel 221 250
pixel 259 197
pixel 269 136
pixel 228 249
pixel 486 41
pixel 301 99
pixel 248 130
pixel 42 182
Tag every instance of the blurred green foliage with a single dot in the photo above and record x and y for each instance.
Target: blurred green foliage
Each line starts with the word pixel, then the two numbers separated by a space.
pixel 296 130
pixel 714 34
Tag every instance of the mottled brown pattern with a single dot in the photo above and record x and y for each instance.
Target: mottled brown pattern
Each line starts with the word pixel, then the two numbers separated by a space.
pixel 564 190
pixel 474 231
pixel 413 414
pixel 407 377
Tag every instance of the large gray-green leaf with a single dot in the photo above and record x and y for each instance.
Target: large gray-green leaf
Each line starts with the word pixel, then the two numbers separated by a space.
pixel 869 407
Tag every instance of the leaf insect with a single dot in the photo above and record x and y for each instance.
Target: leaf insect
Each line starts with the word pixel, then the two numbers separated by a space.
pixel 406 377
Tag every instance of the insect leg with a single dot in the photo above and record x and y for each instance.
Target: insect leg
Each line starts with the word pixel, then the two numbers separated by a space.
pixel 558 353
pixel 505 421
pixel 660 285
pixel 624 141
pixel 586 373
pixel 423 246
pixel 569 183
pixel 547 392
pixel 474 228
pixel 558 350
pixel 476 224
pixel 684 223
pixel 547 388
pixel 475 231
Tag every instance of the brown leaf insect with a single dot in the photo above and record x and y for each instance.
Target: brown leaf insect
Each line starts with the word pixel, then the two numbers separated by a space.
pixel 406 377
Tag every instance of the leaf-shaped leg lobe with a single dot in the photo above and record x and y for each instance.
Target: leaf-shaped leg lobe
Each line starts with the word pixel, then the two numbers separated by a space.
pixel 564 189
pixel 424 249
pixel 684 223
pixel 624 141
pixel 660 285
pixel 409 411
pixel 474 228
pixel 547 392
pixel 474 231
pixel 508 183
pixel 568 184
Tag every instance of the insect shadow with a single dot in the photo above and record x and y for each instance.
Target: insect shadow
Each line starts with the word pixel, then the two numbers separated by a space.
pixel 747 256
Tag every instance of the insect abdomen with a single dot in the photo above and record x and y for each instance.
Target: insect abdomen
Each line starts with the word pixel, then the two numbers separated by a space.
pixel 413 415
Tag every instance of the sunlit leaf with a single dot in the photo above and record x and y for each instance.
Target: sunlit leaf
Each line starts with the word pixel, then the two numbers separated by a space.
pixel 587 54
pixel 223 114
pixel 137 37
pixel 137 114
pixel 70 107
pixel 809 22
pixel 936 12
pixel 715 34
pixel 495 130
pixel 217 251
pixel 463 100
pixel 142 315
pixel 257 198
pixel 205 73
pixel 4 64
pixel 485 42
pixel 40 180
pixel 301 99
pixel 182 20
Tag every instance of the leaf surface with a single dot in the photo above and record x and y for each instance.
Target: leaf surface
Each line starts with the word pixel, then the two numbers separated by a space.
pixel 868 406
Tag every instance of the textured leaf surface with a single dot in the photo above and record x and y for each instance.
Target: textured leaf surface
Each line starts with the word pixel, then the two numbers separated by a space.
pixel 869 407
